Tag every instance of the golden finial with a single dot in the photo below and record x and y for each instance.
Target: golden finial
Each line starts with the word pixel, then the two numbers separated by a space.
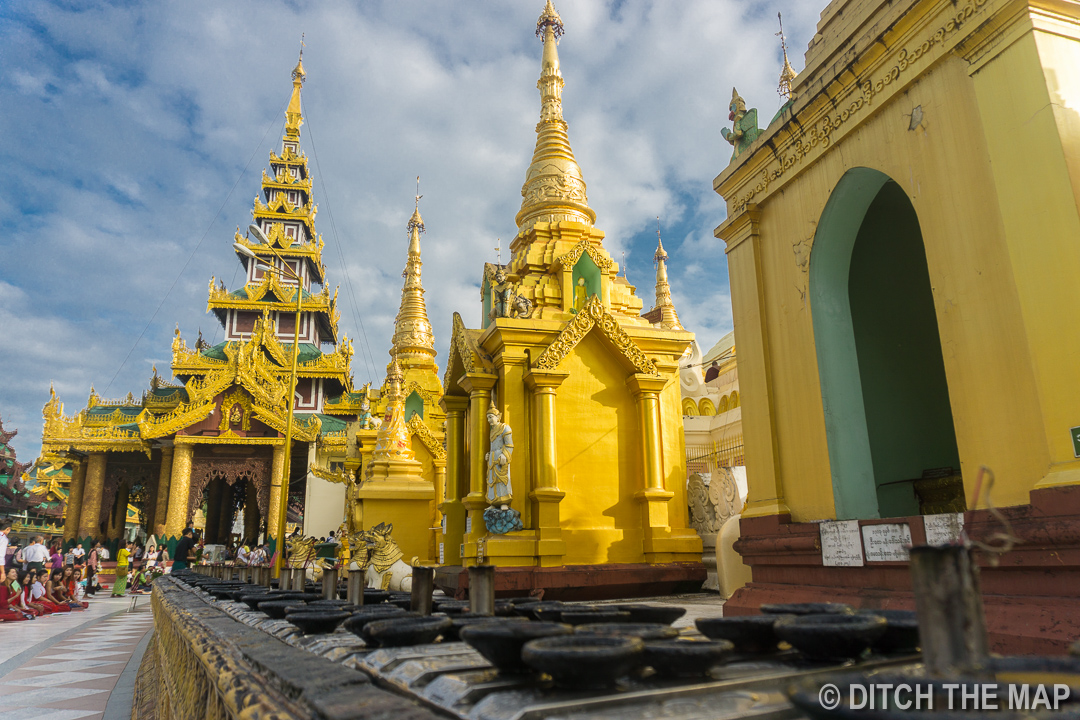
pixel 416 222
pixel 669 319
pixel 554 188
pixel 787 74
pixel 413 341
pixel 293 117
pixel 549 19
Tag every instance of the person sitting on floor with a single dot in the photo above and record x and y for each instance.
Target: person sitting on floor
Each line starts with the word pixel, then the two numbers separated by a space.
pixel 18 595
pixel 8 611
pixel 39 594
pixel 70 586
pixel 26 579
pixel 54 591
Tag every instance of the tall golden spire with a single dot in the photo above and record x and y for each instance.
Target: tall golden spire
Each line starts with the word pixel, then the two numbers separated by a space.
pixel 413 339
pixel 669 319
pixel 293 118
pixel 554 189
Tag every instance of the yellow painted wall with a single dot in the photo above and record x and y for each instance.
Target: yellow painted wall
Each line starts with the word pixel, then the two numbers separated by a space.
pixel 598 445
pixel 991 173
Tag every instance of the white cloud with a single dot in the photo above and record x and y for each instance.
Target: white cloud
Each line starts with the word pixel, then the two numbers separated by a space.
pixel 134 122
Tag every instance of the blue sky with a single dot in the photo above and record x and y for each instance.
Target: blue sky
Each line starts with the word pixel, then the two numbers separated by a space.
pixel 136 134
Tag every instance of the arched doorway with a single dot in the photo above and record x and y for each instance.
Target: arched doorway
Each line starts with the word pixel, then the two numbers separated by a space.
pixel 888 419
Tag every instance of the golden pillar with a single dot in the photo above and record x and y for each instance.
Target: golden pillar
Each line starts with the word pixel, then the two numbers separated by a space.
pixel 653 497
pixel 277 474
pixel 478 385
pixel 455 479
pixel 765 492
pixel 162 500
pixel 179 489
pixel 545 494
pixel 93 486
pixel 74 504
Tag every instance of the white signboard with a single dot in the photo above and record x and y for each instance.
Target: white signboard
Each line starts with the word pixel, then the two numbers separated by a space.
pixel 441 555
pixel 840 544
pixel 468 524
pixel 943 529
pixel 885 543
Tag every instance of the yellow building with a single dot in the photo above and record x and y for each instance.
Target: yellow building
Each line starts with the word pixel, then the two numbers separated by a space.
pixel 589 388
pixel 903 242
pixel 393 460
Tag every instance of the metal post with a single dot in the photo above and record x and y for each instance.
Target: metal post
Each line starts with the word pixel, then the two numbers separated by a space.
pixel 482 589
pixel 268 576
pixel 948 600
pixel 423 583
pixel 355 593
pixel 298 581
pixel 329 584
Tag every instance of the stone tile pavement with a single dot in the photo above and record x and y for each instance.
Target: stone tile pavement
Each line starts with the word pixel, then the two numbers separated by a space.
pixel 75 666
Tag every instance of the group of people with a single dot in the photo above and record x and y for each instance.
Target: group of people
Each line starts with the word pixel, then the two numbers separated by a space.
pixel 29 594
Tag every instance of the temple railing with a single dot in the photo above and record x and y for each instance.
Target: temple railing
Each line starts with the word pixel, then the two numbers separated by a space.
pixel 201 663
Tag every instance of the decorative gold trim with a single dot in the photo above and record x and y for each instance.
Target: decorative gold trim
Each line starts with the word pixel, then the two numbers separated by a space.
pixel 423 432
pixel 334 476
pixel 219 440
pixel 593 315
pixel 585 246
pixel 461 342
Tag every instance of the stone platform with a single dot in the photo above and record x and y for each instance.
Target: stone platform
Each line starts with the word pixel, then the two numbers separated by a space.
pixel 582 582
pixel 1029 593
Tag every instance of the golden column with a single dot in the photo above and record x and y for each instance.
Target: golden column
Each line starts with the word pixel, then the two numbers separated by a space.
pixel 546 494
pixel 94 485
pixel 277 473
pixel 456 477
pixel 653 497
pixel 74 505
pixel 179 489
pixel 478 385
pixel 164 474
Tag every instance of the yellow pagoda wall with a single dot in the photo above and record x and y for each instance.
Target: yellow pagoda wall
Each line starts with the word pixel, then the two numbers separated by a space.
pixel 993 175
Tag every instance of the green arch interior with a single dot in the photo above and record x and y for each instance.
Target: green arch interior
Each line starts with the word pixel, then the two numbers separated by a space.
pixel 414 404
pixel 587 269
pixel 883 385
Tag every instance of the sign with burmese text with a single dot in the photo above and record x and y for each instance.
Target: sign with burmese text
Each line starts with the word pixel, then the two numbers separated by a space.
pixel 840 544
pixel 887 543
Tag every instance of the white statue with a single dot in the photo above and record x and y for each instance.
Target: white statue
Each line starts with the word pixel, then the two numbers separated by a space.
pixel 499 491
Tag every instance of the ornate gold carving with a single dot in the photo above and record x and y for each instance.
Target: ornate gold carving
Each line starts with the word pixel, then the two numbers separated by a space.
pixel 593 315
pixel 464 345
pixel 585 246
pixel 235 410
pixel 334 476
pixel 813 134
pixel 393 441
pixel 420 429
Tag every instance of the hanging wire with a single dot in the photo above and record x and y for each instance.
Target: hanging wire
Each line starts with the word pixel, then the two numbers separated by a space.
pixel 195 250
pixel 365 347
pixel 998 543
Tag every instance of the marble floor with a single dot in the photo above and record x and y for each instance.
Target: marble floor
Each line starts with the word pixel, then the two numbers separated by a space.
pixel 69 666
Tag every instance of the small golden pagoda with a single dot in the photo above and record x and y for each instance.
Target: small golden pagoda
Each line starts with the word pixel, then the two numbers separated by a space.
pixel 589 388
pixel 394 466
